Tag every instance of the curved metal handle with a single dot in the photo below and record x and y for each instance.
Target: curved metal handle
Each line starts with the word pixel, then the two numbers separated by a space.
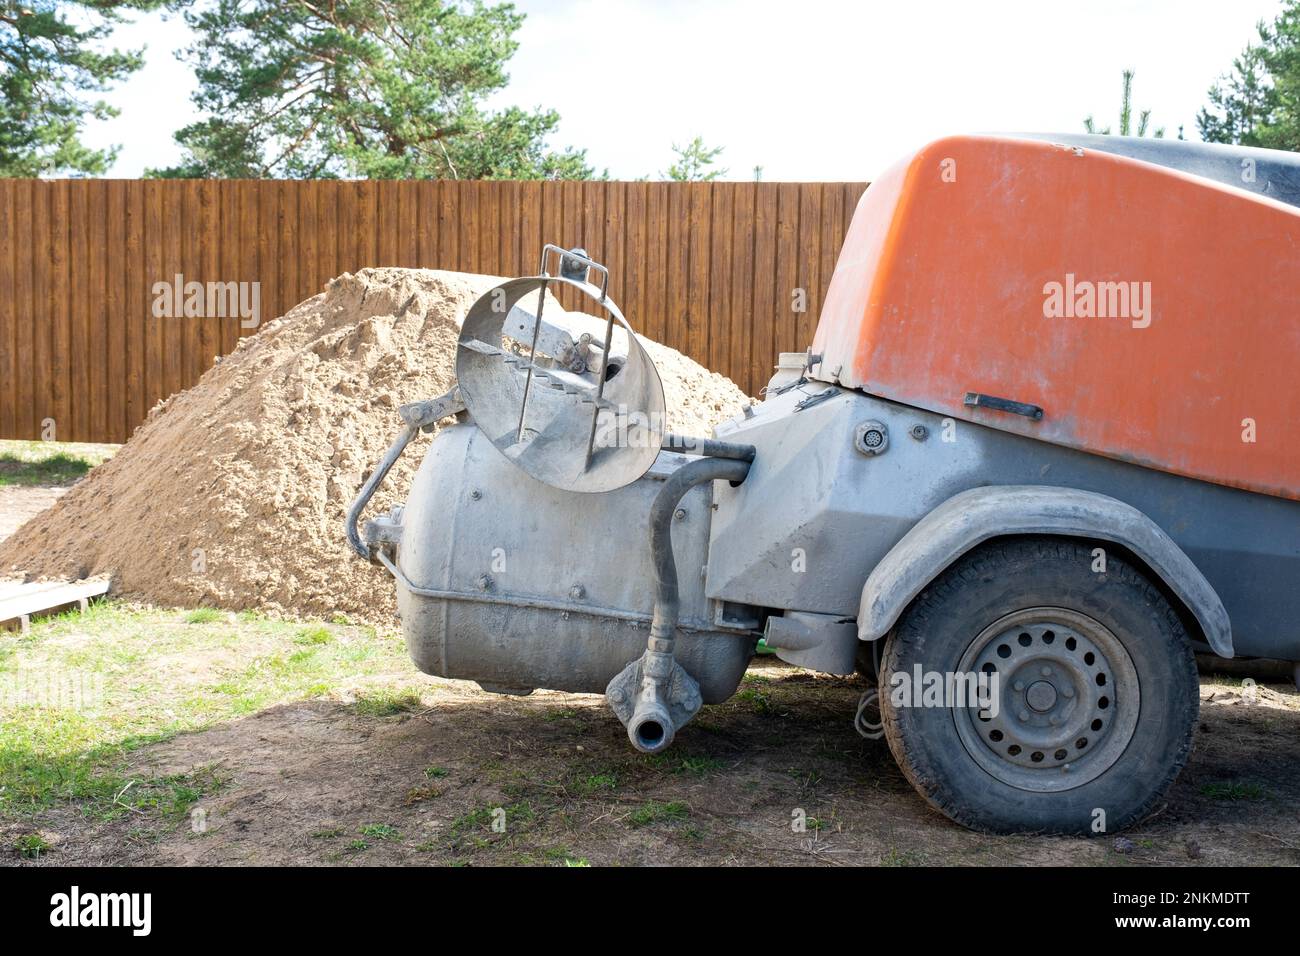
pixel 550 248
pixel 416 415
pixel 368 489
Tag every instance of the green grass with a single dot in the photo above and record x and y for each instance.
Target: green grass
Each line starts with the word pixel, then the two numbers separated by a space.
pixel 597 782
pixel 475 819
pixel 48 463
pixel 566 713
pixel 563 856
pixel 516 815
pixel 31 845
pixel 387 703
pixel 314 634
pixel 699 765
pixel 103 684
pixel 1233 790
pixel 760 702
pixel 379 831
pixel 654 812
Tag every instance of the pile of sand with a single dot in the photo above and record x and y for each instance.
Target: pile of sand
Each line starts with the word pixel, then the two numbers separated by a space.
pixel 232 494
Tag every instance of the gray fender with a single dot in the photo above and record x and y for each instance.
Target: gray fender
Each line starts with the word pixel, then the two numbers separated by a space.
pixel 974 516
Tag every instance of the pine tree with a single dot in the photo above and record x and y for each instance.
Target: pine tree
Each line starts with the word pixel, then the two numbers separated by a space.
pixel 1258 102
pixel 1126 115
pixel 49 76
pixel 693 162
pixel 381 89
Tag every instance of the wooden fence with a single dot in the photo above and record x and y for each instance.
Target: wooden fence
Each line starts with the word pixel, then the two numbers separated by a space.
pixel 711 269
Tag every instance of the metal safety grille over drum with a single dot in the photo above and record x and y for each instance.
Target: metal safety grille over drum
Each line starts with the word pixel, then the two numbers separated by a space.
pixel 584 415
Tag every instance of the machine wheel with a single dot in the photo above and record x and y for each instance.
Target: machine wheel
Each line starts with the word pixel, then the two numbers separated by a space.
pixel 1092 673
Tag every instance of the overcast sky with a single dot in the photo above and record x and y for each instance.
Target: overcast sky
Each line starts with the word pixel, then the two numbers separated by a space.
pixel 808 89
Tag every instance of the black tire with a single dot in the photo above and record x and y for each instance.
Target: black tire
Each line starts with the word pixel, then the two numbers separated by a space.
pixel 1116 635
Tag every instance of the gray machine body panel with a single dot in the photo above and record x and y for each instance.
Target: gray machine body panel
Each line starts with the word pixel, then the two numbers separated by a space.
pixel 815 515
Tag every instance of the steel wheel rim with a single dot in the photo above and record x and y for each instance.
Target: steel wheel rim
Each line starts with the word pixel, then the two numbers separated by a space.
pixel 1068 699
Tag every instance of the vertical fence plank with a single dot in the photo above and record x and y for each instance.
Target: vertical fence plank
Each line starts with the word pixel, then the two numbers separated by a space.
pixel 307 237
pixel 188 322
pixel 832 231
pixel 31 204
pixel 387 222
pixel 57 341
pixel 656 262
pixel 172 327
pixel 225 263
pixel 25 311
pixel 571 231
pixel 678 252
pixel 742 284
pixel 346 224
pixel 135 307
pixel 109 421
pixel 763 344
pixel 288 254
pixel 239 256
pixel 267 249
pixel 327 222
pixel 29 314
pixel 507 197
pixel 487 236
pixel 552 219
pixel 634 233
pixel 151 199
pixel 367 224
pixel 408 236
pixel 531 233
pixel 786 272
pixel 210 234
pixel 720 291
pixel 698 319
pixel 809 262
pixel 448 218
pixel 83 307
pixel 467 231
pixel 9 397
pixel 615 242
pixel 591 227
pixel 425 198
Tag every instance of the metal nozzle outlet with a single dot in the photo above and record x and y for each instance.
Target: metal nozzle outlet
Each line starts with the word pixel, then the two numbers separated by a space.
pixel 651 729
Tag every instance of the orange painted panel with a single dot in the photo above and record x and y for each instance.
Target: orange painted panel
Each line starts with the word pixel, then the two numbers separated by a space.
pixel 1154 316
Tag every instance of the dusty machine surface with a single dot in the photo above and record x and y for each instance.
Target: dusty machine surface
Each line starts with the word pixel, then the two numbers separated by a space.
pixel 1042 449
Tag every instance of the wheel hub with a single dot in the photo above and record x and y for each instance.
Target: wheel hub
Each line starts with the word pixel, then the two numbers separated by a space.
pixel 1041 696
pixel 1067 699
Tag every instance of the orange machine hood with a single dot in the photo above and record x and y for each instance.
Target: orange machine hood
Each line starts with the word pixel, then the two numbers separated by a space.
pixel 1152 315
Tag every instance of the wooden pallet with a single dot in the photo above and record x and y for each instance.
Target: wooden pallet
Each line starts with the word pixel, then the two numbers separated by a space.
pixel 20 601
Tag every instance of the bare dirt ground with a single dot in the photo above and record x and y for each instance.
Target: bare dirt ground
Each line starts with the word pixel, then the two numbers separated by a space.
pixel 317 782
pixel 18 503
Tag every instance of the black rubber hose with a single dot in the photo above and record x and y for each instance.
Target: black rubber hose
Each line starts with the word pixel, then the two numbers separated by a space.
pixel 667 595
pixel 710 447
